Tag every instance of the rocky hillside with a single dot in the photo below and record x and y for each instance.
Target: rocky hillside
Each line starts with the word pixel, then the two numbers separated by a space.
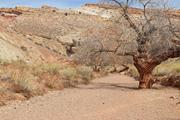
pixel 43 34
pixel 48 34
pixel 108 11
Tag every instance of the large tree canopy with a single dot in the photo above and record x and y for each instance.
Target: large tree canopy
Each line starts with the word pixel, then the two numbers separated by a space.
pixel 153 36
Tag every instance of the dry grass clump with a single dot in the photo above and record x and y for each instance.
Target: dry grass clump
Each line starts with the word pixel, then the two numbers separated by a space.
pixel 80 74
pixel 85 73
pixel 25 82
pixel 170 67
pixel 50 81
pixel 70 77
pixel 19 81
pixel 47 68
pixel 48 75
pixel 69 73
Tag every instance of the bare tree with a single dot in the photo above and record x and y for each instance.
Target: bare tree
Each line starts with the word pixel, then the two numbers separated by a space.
pixel 154 37
pixel 88 51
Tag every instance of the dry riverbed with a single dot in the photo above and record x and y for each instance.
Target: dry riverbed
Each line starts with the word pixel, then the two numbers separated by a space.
pixel 114 97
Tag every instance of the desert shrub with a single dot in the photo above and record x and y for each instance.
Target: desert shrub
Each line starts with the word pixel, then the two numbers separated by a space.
pixel 85 73
pixel 51 81
pixel 70 76
pixel 19 80
pixel 69 73
pixel 169 67
pixel 46 68
pixel 49 75
pixel 25 82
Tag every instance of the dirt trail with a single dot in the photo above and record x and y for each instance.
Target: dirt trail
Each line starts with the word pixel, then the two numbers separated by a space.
pixel 111 98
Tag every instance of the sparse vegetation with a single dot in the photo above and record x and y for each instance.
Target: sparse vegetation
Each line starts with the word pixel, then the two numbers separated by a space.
pixel 25 82
pixel 169 67
pixel 69 73
pixel 85 73
pixel 46 68
pixel 22 81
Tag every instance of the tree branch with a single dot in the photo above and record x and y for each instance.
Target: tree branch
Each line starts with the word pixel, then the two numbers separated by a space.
pixel 171 53
pixel 112 51
pixel 126 16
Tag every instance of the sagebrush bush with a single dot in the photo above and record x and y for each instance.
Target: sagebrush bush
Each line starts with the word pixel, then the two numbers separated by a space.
pixel 18 75
pixel 70 76
pixel 47 68
pixel 26 82
pixel 170 67
pixel 85 73
pixel 69 73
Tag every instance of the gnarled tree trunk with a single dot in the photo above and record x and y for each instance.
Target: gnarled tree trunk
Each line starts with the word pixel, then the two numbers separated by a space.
pixel 145 68
pixel 146 80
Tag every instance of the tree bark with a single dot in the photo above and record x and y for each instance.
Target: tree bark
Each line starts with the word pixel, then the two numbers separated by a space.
pixel 146 65
pixel 145 69
pixel 146 81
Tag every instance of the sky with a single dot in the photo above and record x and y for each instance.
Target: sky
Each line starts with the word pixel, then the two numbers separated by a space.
pixel 58 3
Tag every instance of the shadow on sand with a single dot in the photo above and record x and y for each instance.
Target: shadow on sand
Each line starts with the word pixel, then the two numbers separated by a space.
pixel 111 86
pixel 116 86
